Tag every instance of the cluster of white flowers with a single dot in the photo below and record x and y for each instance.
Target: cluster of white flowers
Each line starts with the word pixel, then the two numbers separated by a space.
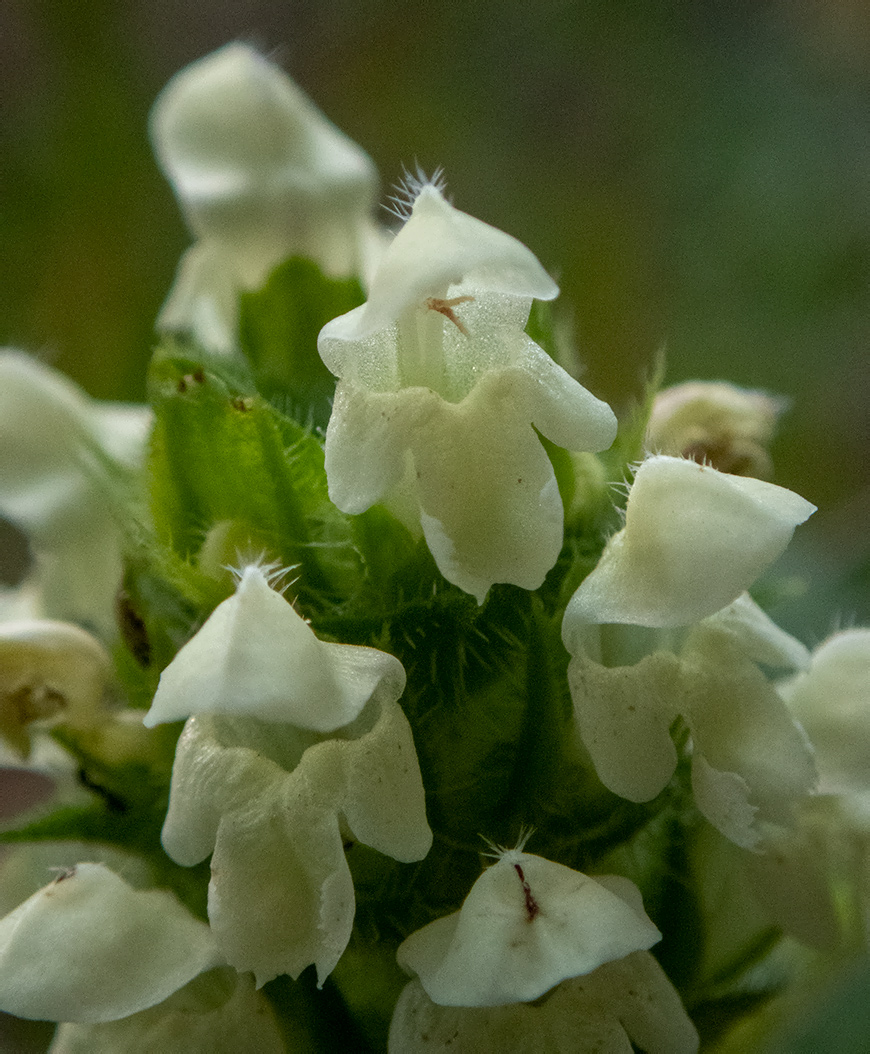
pixel 294 745
pixel 261 176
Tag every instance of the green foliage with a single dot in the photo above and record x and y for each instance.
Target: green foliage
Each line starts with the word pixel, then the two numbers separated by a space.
pixel 840 1021
pixel 278 329
pixel 222 454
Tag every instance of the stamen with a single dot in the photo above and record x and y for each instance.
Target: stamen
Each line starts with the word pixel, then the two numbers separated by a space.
pixel 533 908
pixel 445 308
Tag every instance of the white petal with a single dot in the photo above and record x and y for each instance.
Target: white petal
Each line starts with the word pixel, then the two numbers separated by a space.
pixel 527 924
pixel 204 298
pixel 44 420
pixel 383 798
pixel 741 726
pixel 25 868
pixel 694 540
pixel 366 441
pixel 630 999
pixel 439 247
pixel 724 798
pixel 558 1026
pixel 648 1005
pixel 832 702
pixel 50 432
pixel 758 636
pixel 193 1019
pixel 88 947
pixel 281 895
pixel 268 799
pixel 624 716
pixel 560 407
pixel 257 657
pixel 490 505
pixel 215 772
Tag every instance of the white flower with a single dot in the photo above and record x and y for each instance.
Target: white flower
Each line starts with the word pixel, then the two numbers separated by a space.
pixel 694 540
pixel 527 924
pixel 439 388
pixel 271 803
pixel 750 760
pixel 294 743
pixel 831 699
pixel 261 176
pixel 220 1011
pixel 257 657
pixel 88 947
pixel 626 1001
pixel 59 452
pixel 49 672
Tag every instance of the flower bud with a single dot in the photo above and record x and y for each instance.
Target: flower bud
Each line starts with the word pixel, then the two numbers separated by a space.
pixel 716 423
pixel 292 741
pixel 49 672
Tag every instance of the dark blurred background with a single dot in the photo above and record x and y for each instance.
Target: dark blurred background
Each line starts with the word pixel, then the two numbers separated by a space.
pixel 696 174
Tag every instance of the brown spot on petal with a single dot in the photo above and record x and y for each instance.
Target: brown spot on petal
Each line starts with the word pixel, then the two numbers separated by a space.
pixel 533 908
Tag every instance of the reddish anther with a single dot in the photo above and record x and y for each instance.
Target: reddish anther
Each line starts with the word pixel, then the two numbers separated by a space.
pixel 533 909
pixel 445 307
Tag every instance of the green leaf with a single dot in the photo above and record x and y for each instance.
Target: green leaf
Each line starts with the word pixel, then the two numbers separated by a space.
pixel 226 465
pixel 278 328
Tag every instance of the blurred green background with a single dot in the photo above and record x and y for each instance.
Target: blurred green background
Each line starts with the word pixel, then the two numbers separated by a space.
pixel 697 175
